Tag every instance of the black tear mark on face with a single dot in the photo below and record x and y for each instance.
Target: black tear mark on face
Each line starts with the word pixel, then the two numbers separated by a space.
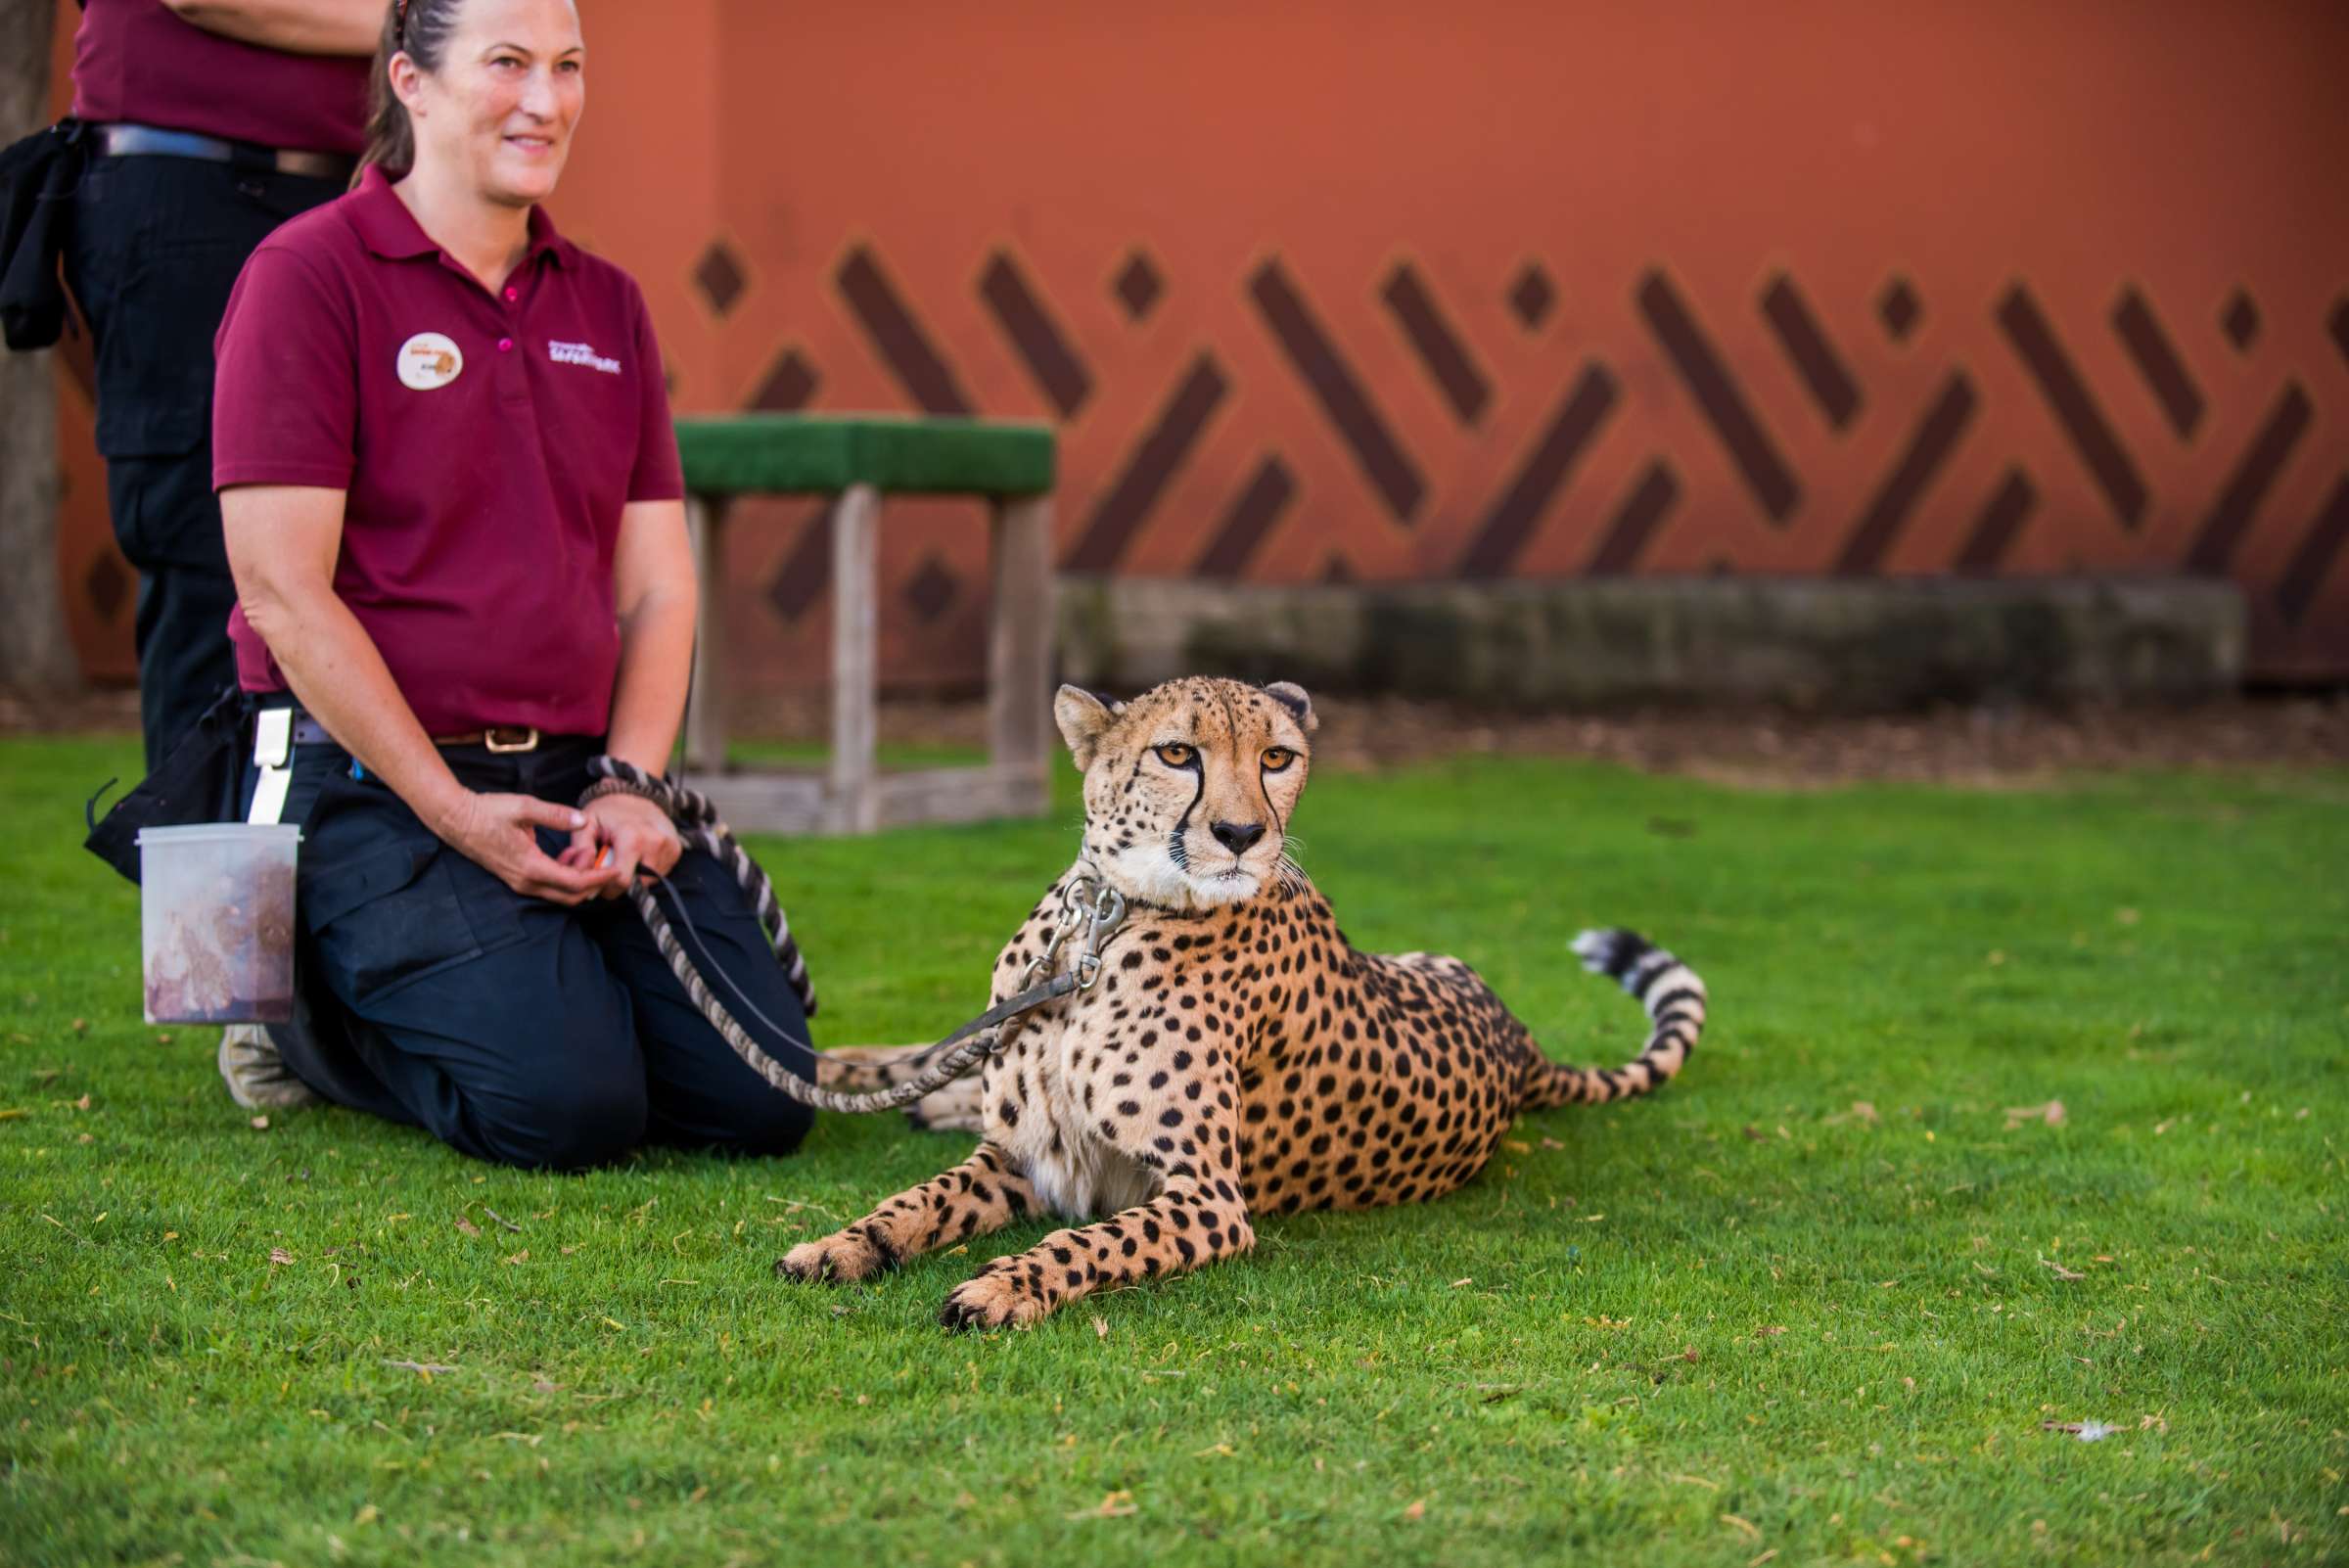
pixel 1177 850
pixel 1264 787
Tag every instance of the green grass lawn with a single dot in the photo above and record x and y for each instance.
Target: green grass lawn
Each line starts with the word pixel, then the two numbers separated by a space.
pixel 1817 1300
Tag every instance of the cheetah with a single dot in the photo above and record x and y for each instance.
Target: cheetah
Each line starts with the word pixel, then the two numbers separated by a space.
pixel 1236 1055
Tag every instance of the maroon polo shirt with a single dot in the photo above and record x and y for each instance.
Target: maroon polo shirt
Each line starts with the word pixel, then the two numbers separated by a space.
pixel 134 60
pixel 486 444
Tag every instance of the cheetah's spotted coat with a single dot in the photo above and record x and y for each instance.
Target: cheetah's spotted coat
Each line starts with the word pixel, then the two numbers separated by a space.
pixel 1238 1056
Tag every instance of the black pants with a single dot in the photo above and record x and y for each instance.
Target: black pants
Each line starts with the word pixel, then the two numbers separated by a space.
pixel 511 1029
pixel 156 245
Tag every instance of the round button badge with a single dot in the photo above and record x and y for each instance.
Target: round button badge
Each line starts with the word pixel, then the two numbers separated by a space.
pixel 430 360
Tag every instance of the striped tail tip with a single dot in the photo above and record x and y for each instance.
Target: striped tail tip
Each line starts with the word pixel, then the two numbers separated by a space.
pixel 1611 953
pixel 1673 998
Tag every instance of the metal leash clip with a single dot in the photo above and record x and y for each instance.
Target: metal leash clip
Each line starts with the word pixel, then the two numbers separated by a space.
pixel 1109 909
pixel 1073 915
pixel 1098 908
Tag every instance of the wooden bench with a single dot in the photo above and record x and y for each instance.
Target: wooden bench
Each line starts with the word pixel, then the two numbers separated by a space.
pixel 860 459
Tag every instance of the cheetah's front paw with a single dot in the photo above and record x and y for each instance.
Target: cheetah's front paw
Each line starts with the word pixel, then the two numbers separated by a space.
pixel 841 1258
pixel 994 1298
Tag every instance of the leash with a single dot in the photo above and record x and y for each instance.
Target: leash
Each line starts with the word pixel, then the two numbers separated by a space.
pixel 698 826
pixel 1086 903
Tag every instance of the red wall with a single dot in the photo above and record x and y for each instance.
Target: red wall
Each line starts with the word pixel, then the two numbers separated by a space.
pixel 851 207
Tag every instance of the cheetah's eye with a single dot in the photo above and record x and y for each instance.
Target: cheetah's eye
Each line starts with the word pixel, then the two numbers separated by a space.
pixel 1176 755
pixel 1277 758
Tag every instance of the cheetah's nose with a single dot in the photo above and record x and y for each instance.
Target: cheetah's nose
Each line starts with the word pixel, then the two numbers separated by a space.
pixel 1238 837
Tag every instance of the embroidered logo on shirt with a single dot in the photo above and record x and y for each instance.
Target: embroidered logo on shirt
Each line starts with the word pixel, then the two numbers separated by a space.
pixel 430 360
pixel 579 353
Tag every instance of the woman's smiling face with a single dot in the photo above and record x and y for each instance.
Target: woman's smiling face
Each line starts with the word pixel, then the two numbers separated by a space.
pixel 502 106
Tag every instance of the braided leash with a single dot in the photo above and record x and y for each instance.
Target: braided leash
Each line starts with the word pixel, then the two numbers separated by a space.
pixel 942 1064
pixel 698 826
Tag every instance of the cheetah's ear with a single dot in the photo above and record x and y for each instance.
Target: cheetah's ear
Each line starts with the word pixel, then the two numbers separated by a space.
pixel 1084 718
pixel 1292 697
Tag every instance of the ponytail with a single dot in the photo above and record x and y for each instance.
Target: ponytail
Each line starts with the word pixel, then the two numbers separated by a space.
pixel 420 29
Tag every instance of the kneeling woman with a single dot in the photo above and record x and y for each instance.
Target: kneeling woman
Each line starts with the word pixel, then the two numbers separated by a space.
pixel 454 514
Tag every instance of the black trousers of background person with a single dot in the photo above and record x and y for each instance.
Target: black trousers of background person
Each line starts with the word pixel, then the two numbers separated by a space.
pixel 154 247
pixel 512 1029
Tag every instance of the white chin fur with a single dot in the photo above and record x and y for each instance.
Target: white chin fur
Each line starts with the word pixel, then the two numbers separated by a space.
pixel 1209 890
pixel 1147 874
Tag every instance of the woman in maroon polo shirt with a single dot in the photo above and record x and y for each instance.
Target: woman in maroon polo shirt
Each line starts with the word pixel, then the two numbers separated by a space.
pixel 454 514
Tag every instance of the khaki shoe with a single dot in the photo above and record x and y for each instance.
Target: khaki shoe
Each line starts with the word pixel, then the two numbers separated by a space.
pixel 257 1075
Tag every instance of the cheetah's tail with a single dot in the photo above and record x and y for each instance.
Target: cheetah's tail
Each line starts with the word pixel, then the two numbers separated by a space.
pixel 1675 998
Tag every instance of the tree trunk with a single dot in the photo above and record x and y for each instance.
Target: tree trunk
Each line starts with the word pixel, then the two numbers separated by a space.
pixel 36 658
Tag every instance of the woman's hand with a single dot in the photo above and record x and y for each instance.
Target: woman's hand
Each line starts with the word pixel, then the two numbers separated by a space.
pixel 624 834
pixel 498 833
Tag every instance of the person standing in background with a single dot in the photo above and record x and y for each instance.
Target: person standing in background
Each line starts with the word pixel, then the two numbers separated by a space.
pixel 210 123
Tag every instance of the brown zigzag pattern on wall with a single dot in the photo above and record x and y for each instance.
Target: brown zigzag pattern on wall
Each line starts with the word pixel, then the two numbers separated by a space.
pixel 1814 357
pixel 1438 345
pixel 1899 309
pixel 2002 517
pixel 2159 362
pixel 1131 497
pixel 1532 295
pixel 898 338
pixel 1643 512
pixel 2318 548
pixel 1137 286
pixel 1253 513
pixel 721 277
pixel 1506 528
pixel 2075 409
pixel 1359 423
pixel 2240 323
pixel 2262 461
pixel 789 386
pixel 932 589
pixel 1507 498
pixel 1708 380
pixel 806 574
pixel 1935 438
pixel 1040 343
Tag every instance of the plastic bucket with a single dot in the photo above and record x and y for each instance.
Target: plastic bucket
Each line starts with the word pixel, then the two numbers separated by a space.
pixel 216 921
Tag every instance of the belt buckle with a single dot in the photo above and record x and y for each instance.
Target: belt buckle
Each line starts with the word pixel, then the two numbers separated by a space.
pixel 510 738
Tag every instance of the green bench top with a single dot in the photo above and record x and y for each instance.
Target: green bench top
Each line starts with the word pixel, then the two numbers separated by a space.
pixel 827 453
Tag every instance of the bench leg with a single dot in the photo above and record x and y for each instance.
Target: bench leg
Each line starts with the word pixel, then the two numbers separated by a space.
pixel 705 715
pixel 856 656
pixel 1019 640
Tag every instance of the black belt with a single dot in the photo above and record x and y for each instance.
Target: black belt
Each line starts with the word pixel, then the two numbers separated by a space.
pixel 126 140
pixel 498 738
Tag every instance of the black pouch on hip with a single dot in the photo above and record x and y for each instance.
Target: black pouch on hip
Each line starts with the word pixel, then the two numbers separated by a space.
pixel 202 781
pixel 37 178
